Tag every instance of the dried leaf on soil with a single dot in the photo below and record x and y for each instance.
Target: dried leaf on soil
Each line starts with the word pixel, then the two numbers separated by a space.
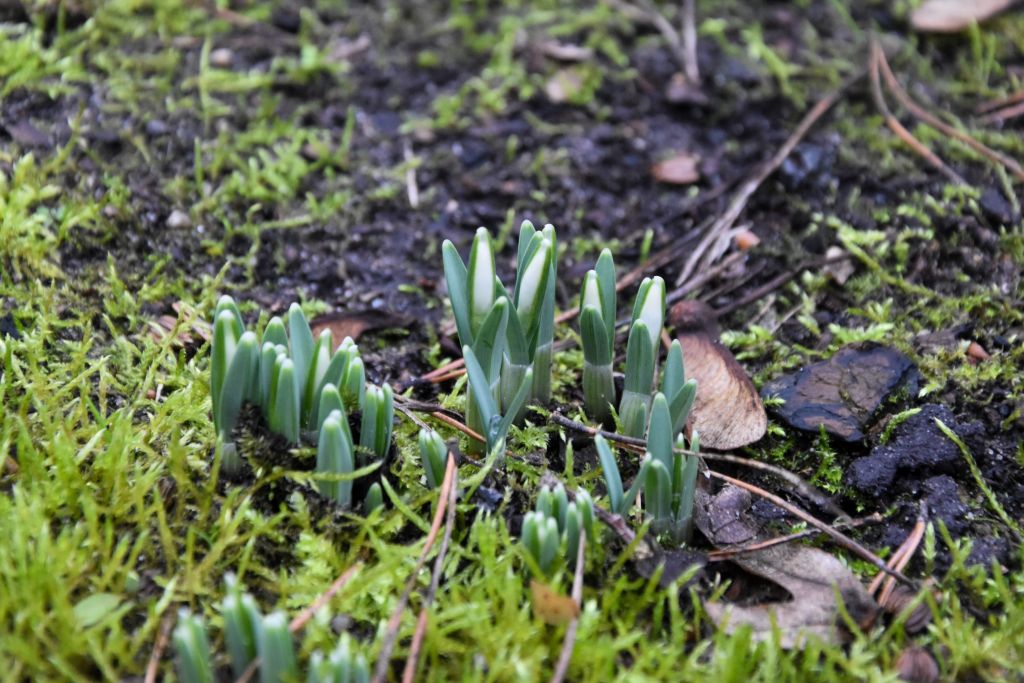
pixel 951 16
pixel 680 169
pixel 815 581
pixel 728 412
pixel 725 519
pixel 355 324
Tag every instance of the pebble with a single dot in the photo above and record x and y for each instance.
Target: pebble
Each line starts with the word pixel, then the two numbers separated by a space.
pixel 222 58
pixel 178 220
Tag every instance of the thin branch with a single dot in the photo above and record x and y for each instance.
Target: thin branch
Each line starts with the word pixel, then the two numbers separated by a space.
pixel 380 670
pixel 900 558
pixel 729 553
pixel 570 632
pixel 435 580
pixel 689 31
pixel 894 124
pixel 162 637
pixel 1005 114
pixel 840 538
pixel 742 195
pixel 640 446
pixel 901 95
pixel 305 615
pixel 1000 102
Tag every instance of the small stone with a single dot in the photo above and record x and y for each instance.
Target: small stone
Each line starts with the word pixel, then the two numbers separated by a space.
pixel 178 220
pixel 155 128
pixel 222 58
pixel 842 393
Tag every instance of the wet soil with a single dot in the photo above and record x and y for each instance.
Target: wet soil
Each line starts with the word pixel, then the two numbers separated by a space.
pixel 583 168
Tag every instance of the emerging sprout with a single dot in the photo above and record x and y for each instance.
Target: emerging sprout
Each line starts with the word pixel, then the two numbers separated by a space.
pixel 670 478
pixel 378 418
pixel 620 502
pixel 300 385
pixel 192 648
pixel 276 649
pixel 242 621
pixel 679 392
pixel 342 665
pixel 642 355
pixel 554 521
pixel 497 426
pixel 597 330
pixel 508 333
pixel 334 456
pixel 435 456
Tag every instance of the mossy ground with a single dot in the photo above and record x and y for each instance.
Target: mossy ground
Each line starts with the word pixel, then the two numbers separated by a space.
pixel 281 140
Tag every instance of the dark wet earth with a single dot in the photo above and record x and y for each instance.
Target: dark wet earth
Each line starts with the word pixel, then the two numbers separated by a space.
pixel 584 168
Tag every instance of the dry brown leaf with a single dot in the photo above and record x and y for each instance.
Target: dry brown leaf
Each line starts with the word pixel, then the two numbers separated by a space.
pixel 551 606
pixel 355 324
pixel 916 665
pixel 952 16
pixel 814 579
pixel 727 412
pixel 680 169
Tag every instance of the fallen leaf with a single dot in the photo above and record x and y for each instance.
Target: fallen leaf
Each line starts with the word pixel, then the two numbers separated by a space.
pixel 727 412
pixel 727 521
pixel 952 16
pixel 842 393
pixel 355 324
pixel 815 580
pixel 551 606
pixel 188 335
pixel 916 665
pixel 680 169
pixel 564 85
pixel 840 270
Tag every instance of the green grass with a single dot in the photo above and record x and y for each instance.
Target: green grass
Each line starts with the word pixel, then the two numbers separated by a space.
pixel 112 511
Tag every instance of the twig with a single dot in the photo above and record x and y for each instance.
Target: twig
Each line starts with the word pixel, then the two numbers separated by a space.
pixel 746 190
pixel 391 635
pixel 411 188
pixel 729 553
pixel 458 425
pixel 421 623
pixel 305 615
pixel 570 632
pixel 689 32
pixel 900 558
pixel 640 446
pixel 649 14
pixel 1003 115
pixel 1000 102
pixel 836 535
pixel 777 282
pixel 901 95
pixel 894 124
pixel 162 637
